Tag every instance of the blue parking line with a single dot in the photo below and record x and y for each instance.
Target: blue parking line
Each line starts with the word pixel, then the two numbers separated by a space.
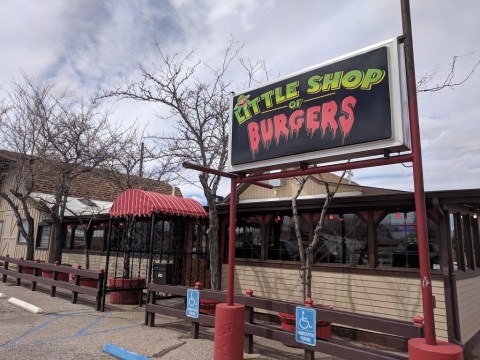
pixel 12 342
pixel 74 313
pixel 83 330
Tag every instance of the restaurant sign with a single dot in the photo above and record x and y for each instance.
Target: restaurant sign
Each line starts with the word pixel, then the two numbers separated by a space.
pixel 350 107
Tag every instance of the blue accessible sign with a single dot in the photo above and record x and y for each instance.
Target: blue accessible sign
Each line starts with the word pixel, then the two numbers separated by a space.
pixel 193 303
pixel 305 325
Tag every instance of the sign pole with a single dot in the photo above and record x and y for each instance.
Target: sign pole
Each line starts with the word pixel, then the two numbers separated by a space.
pixel 428 347
pixel 420 208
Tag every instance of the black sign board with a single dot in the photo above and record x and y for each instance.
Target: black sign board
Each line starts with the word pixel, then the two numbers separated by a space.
pixel 333 107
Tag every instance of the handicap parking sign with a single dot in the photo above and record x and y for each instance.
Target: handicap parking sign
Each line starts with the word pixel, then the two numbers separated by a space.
pixel 193 303
pixel 305 325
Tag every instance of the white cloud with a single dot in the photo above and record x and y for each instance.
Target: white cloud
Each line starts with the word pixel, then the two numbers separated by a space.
pixel 90 43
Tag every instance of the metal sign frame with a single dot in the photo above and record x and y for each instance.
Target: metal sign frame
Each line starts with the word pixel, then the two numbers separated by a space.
pixel 240 158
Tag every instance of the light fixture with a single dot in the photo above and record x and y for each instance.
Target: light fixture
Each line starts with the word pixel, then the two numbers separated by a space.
pixel 474 215
pixel 331 217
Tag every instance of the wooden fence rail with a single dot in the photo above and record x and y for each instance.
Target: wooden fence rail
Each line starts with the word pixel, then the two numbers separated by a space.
pixel 49 274
pixel 340 348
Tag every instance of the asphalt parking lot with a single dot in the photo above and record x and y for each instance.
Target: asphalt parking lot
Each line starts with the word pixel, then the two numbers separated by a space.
pixel 77 331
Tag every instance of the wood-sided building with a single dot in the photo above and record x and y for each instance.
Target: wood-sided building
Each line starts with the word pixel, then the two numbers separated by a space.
pixel 91 195
pixel 367 260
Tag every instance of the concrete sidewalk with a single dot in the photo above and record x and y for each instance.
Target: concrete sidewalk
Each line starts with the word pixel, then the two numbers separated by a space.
pixel 77 331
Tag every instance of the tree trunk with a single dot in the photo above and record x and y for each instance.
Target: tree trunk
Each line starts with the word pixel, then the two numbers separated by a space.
pixel 213 229
pixel 58 242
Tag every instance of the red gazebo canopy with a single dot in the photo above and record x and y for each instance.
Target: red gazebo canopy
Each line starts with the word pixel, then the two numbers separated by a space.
pixel 137 202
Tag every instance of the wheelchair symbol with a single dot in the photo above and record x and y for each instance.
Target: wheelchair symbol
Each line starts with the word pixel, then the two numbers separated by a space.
pixel 303 323
pixel 191 301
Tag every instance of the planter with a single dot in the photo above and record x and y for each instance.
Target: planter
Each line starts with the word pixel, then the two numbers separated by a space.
pixel 30 270
pixel 324 328
pixel 61 276
pixel 132 296
pixel 84 281
pixel 208 306
pixel 27 270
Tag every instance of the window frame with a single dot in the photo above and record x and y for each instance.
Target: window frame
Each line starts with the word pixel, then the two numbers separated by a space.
pixel 20 236
pixel 38 238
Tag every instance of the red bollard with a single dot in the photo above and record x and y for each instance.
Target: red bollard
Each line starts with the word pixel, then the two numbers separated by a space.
pixel 418 349
pixel 229 331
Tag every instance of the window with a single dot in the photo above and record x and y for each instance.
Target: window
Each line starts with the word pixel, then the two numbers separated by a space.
pixel 398 242
pixel 248 239
pixel 78 237
pixel 454 239
pixel 75 235
pixel 343 240
pixel 282 241
pixel 98 237
pixel 43 236
pixel 1 228
pixel 21 238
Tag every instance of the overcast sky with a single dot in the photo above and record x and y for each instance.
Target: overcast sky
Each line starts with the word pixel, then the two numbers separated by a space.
pixel 86 44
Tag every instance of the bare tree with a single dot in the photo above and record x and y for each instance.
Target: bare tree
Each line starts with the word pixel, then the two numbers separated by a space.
pixel 80 139
pixel 199 114
pixel 450 81
pixel 53 136
pixel 20 132
pixel 307 253
pixel 135 156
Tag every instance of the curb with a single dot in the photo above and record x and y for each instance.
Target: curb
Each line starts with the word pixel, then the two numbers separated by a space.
pixel 24 305
pixel 122 353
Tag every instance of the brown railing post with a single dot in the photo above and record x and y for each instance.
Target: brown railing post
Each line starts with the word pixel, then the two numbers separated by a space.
pixel 150 316
pixel 77 283
pixel 309 354
pixel 5 266
pixel 248 338
pixel 53 288
pixel 19 270
pixel 195 326
pixel 101 277
pixel 35 273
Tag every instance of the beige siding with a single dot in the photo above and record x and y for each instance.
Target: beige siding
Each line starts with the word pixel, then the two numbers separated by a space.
pixel 468 297
pixel 96 261
pixel 392 297
pixel 287 190
pixel 9 236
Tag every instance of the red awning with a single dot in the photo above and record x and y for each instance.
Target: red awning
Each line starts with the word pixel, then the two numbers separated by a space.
pixel 138 202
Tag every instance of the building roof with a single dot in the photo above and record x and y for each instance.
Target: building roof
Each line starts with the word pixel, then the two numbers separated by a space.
pixel 96 184
pixel 76 207
pixel 137 202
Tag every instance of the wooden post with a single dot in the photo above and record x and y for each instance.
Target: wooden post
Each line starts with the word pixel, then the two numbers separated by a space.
pixel 248 338
pixel 195 326
pixel 19 270
pixel 150 316
pixel 101 275
pixel 77 283
pixel 53 288
pixel 309 354
pixel 35 273
pixel 5 266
